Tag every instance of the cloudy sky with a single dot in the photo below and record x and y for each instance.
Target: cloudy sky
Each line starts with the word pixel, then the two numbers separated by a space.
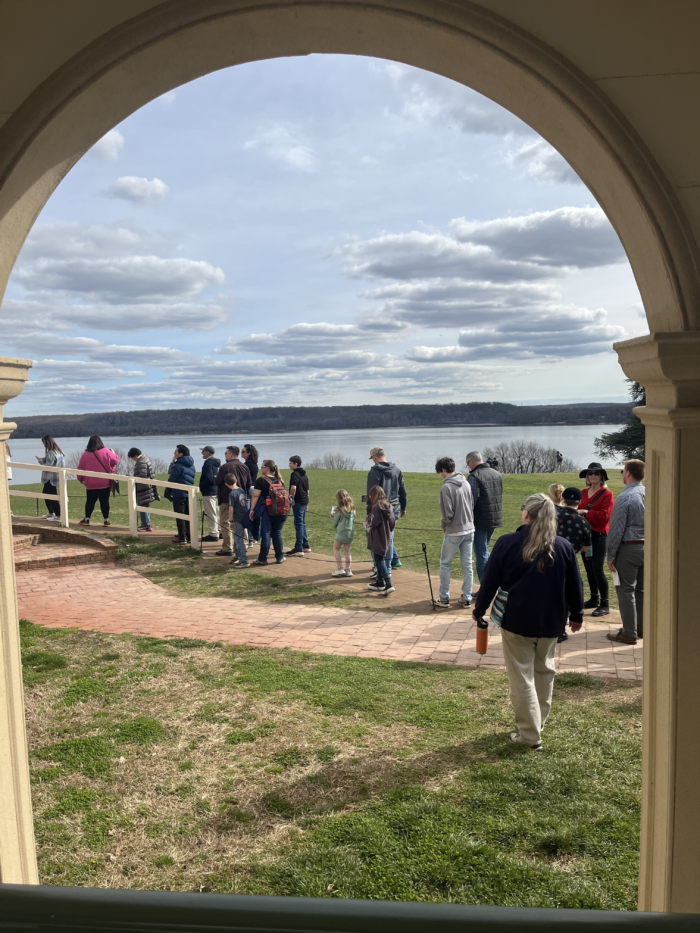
pixel 319 230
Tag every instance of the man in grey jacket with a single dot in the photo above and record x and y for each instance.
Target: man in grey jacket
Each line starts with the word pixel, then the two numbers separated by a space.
pixel 390 478
pixel 458 525
pixel 626 553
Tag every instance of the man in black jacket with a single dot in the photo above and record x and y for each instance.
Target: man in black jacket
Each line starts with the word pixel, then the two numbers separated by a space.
pixel 299 494
pixel 231 465
pixel 487 495
pixel 387 475
pixel 209 492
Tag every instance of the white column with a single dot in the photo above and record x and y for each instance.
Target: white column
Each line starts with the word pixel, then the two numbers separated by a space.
pixel 668 366
pixel 17 849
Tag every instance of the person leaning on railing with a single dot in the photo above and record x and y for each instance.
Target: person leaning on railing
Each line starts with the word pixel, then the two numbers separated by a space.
pixel 53 457
pixel 97 458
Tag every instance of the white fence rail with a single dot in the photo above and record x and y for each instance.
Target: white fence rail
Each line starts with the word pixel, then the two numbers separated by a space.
pixel 129 481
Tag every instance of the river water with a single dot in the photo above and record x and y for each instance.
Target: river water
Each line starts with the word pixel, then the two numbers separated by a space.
pixel 415 450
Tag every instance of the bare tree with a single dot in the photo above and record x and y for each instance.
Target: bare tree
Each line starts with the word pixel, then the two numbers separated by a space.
pixel 527 457
pixel 333 461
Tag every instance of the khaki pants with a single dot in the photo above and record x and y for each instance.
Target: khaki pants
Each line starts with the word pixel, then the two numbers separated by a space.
pixel 210 505
pixel 530 667
pixel 225 525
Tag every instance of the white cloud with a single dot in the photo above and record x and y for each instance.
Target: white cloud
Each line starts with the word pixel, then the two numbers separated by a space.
pixel 93 241
pixel 109 147
pixel 579 237
pixel 121 279
pixel 88 371
pixel 419 255
pixel 300 339
pixel 137 190
pixel 543 163
pixel 286 144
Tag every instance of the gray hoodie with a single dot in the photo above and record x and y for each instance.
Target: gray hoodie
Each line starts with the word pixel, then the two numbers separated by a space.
pixel 456 506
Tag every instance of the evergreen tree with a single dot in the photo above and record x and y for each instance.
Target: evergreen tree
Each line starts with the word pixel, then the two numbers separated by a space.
pixel 630 441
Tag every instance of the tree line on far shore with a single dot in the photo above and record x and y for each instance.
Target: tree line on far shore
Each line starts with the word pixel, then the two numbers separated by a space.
pixel 276 420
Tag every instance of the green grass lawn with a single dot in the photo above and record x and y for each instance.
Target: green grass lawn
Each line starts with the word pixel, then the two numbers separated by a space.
pixel 180 765
pixel 421 524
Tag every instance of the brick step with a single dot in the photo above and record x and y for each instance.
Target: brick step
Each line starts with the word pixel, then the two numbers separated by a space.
pixel 20 542
pixel 43 556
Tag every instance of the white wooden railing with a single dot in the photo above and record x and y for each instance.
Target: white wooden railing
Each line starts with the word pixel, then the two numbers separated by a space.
pixel 129 481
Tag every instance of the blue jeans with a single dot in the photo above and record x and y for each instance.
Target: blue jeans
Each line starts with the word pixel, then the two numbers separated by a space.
pixel 239 547
pixel 482 536
pixel 271 530
pixel 450 545
pixel 302 540
pixel 394 553
pixel 381 562
pixel 145 519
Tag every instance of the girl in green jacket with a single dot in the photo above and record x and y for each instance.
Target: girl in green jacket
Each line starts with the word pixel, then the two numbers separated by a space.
pixel 343 518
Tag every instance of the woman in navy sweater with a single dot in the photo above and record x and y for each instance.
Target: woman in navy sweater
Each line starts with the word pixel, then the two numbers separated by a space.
pixel 540 574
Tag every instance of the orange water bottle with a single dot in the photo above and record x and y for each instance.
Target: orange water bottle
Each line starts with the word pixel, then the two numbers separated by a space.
pixel 482 636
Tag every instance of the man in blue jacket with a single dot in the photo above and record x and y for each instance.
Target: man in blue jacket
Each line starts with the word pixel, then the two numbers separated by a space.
pixel 209 492
pixel 181 470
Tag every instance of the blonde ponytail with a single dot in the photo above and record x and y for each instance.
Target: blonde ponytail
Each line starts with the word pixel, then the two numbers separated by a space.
pixel 542 529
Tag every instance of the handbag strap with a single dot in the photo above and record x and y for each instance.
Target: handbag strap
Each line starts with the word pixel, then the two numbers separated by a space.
pixel 596 497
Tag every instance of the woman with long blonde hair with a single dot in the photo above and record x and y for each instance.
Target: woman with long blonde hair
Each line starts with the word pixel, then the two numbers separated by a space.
pixel 343 518
pixel 535 574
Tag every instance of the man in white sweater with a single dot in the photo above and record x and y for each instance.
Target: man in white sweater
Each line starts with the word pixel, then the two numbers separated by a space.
pixel 458 525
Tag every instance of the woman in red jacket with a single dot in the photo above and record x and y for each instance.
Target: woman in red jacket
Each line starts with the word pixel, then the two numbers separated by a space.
pixel 597 505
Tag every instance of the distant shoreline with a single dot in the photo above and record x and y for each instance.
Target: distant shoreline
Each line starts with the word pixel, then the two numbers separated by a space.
pixel 290 420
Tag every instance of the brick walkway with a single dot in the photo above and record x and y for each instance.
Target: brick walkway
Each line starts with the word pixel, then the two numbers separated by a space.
pixel 114 600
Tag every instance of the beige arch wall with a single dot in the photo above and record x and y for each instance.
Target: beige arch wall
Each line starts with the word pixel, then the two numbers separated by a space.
pixel 614 87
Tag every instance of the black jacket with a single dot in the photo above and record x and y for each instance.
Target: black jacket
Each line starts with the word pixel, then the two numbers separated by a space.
pixel 539 606
pixel 242 478
pixel 210 468
pixel 301 481
pixel 487 495
pixel 390 478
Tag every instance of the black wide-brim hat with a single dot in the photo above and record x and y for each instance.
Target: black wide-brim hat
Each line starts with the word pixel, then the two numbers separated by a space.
pixel 594 466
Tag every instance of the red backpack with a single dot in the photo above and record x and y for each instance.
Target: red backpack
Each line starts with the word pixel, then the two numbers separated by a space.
pixel 278 502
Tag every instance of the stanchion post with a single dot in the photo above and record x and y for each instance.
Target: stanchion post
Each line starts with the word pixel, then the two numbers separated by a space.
pixel 430 582
pixel 192 509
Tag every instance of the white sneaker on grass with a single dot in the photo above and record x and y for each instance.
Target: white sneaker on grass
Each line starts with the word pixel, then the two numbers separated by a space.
pixel 517 739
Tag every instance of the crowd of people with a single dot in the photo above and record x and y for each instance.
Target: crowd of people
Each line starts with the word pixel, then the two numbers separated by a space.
pixel 529 582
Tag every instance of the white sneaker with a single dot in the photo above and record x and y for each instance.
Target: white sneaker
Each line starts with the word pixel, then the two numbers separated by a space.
pixel 54 518
pixel 338 573
pixel 48 515
pixel 348 573
pixel 517 739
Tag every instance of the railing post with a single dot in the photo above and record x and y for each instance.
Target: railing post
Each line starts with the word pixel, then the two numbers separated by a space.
pixel 63 497
pixel 192 508
pixel 131 497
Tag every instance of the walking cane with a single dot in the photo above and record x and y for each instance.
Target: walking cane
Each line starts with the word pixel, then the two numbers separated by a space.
pixel 430 582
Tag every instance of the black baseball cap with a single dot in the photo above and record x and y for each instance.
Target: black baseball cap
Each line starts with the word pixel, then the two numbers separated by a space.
pixel 571 492
pixel 210 449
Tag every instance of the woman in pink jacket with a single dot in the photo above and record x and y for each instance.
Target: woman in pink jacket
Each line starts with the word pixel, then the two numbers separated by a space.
pixel 97 458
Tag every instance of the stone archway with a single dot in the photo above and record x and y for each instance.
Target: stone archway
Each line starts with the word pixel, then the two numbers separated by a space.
pixel 178 41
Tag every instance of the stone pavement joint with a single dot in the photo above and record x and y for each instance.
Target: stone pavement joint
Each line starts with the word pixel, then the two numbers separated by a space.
pixel 113 600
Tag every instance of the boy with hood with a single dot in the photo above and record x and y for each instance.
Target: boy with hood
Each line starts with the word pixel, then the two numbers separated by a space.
pixel 181 470
pixel 299 494
pixel 387 475
pixel 210 493
pixel 458 525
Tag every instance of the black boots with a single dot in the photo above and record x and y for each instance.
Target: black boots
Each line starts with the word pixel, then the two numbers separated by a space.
pixel 602 610
pixel 592 603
